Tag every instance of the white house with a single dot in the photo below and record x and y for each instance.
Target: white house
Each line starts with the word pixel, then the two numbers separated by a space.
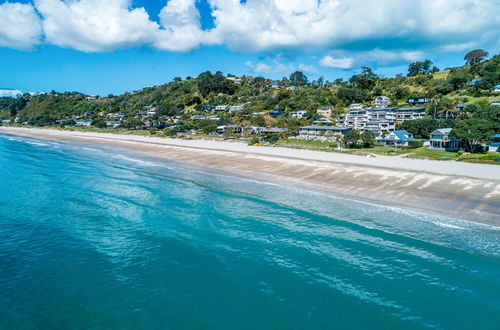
pixel 382 102
pixel 322 121
pixel 496 89
pixel 235 108
pixel 221 107
pixel 298 114
pixel 322 133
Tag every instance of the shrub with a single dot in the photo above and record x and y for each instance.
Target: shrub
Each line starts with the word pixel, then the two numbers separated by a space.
pixel 460 152
pixel 254 140
pixel 415 144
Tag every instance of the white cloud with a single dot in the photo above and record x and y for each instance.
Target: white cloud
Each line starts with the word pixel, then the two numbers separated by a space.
pixel 95 25
pixel 299 26
pixel 267 25
pixel 308 69
pixel 181 25
pixel 339 63
pixel 20 26
pixel 264 68
pixel 10 93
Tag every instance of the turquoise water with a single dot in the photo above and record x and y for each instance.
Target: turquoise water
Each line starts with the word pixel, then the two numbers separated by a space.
pixel 94 237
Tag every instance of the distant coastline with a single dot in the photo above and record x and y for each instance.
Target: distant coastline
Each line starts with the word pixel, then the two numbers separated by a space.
pixel 456 189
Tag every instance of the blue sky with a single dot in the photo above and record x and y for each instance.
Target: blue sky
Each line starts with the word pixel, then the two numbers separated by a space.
pixel 102 47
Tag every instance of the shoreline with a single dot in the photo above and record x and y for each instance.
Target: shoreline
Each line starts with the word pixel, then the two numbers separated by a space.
pixel 454 189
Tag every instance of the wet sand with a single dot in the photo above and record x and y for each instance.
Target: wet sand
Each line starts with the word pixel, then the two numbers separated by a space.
pixel 456 189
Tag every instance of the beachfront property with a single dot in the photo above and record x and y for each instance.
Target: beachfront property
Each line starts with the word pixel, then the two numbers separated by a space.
pixel 322 133
pixel 495 143
pixel 113 123
pixel 398 138
pixel 83 123
pixel 298 114
pixel 419 100
pixel 378 119
pixel 440 139
pixel 325 112
pixel 496 89
pixel 6 122
pixel 382 102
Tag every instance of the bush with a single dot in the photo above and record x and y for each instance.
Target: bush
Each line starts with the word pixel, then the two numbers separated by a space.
pixel 254 140
pixel 415 144
pixel 460 152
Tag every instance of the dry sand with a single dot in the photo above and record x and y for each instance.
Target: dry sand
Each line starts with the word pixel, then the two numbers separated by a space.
pixel 461 190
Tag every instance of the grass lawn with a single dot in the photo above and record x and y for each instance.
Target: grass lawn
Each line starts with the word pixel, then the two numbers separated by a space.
pixel 306 143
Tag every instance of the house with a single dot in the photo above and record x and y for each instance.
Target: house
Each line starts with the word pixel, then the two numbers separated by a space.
pixel 276 113
pixel 322 121
pixel 213 118
pixel 419 100
pixel 275 84
pixel 292 88
pixel 6 122
pixel 473 83
pixel 356 106
pixel 83 123
pixel 496 89
pixel 440 140
pixel 209 108
pixel 221 108
pixel 325 112
pixel 495 143
pixel 399 138
pixel 234 108
pixel 199 117
pixel 322 133
pixel 235 80
pixel 382 102
pixel 272 130
pixel 404 114
pixel 228 129
pixel 298 114
pixel 113 123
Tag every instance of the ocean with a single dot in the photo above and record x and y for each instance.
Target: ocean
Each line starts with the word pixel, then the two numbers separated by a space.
pixel 98 237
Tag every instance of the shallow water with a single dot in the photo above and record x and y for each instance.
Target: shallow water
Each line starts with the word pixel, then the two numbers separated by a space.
pixel 98 237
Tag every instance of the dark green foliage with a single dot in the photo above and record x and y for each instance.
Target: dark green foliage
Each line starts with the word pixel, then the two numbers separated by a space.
pixel 475 56
pixel 351 139
pixel 415 144
pixel 253 140
pixel 365 80
pixel 418 67
pixel 473 133
pixel 367 139
pixel 421 128
pixel 215 83
pixel 298 78
pixel 352 95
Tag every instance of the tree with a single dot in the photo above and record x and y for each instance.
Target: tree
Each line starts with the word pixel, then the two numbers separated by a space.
pixel 298 78
pixel 351 139
pixel 367 138
pixel 418 67
pixel 475 56
pixel 473 133
pixel 365 80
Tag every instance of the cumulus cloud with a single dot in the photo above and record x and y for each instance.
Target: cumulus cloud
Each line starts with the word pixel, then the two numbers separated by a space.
pixel 20 26
pixel 267 25
pixel 308 69
pixel 181 27
pixel 264 68
pixel 252 26
pixel 339 63
pixel 95 25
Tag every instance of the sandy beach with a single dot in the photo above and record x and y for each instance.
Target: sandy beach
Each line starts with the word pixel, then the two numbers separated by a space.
pixel 456 189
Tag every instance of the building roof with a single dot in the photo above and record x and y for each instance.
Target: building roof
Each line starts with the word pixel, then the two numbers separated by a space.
pixel 403 135
pixel 442 131
pixel 335 128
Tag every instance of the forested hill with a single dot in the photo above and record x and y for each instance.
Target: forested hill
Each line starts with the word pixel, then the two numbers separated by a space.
pixel 474 82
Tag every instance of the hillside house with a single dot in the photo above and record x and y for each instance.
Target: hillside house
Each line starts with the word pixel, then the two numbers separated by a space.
pixel 325 112
pixel 382 102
